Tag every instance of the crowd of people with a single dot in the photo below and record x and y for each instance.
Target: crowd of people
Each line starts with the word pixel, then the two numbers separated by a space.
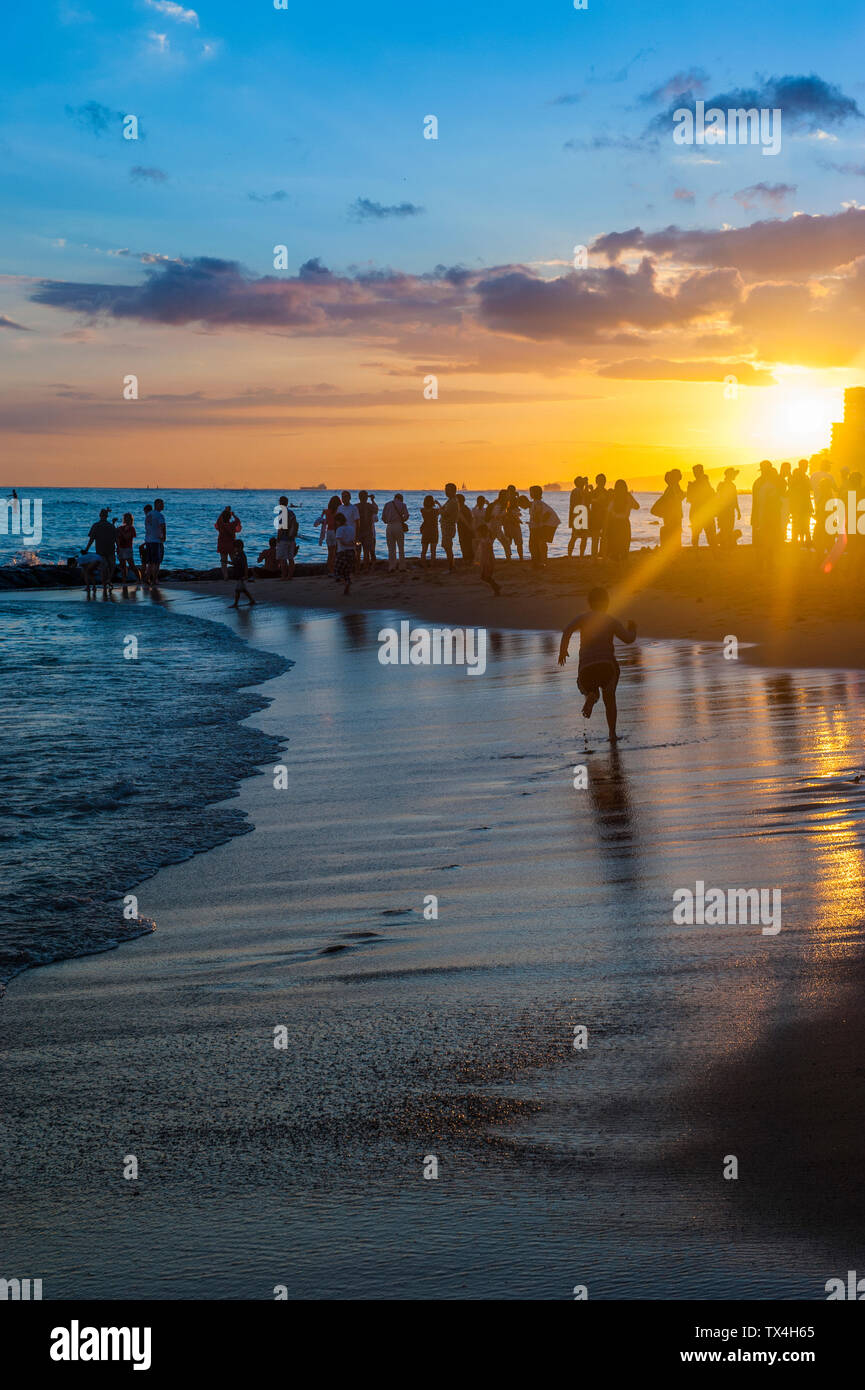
pixel 787 505
pixel 443 523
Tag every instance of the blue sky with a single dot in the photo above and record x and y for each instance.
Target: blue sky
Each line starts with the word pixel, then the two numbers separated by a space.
pixel 262 127
pixel 327 104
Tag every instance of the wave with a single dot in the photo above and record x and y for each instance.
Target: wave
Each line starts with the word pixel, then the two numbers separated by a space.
pixel 111 768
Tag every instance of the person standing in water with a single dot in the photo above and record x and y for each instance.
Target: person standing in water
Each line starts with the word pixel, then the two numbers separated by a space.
pixel 103 538
pixel 598 670
pixel 154 540
pixel 125 557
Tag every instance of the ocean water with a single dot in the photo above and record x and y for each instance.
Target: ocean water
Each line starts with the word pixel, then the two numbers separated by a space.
pixel 110 767
pixel 68 514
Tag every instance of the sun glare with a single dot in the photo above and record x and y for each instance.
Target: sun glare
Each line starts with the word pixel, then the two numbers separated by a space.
pixel 798 419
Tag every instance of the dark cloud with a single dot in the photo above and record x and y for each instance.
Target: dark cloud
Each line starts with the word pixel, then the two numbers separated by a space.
pixel 772 194
pixel 221 294
pixel 782 290
pixel 803 244
pixel 143 174
pixel 364 209
pixel 583 306
pixel 10 323
pixel 806 103
pixel 278 197
pixel 94 117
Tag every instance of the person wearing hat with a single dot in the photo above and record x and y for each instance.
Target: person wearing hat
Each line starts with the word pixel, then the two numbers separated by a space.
pixel 728 510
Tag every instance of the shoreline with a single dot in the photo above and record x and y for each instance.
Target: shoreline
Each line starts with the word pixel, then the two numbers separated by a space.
pixel 200 813
pixel 780 617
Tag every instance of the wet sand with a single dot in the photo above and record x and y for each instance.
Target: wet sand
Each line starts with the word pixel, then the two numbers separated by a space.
pixel 453 1037
pixel 789 613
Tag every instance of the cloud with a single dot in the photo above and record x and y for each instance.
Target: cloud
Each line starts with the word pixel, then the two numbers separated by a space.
pixel 802 244
pixel 856 169
pixel 683 195
pixel 143 174
pixel 691 82
pixel 584 306
pixel 221 294
pixel 364 209
pixel 172 11
pixel 772 194
pixel 620 74
pixel 94 117
pixel 10 323
pixel 279 196
pixel 567 99
pixel 684 306
pixel 608 142
pixel 661 369
pixel 806 103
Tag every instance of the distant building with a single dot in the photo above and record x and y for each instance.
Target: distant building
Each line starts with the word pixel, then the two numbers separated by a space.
pixel 847 447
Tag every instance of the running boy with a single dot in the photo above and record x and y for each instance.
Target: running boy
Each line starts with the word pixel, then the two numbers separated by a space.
pixel 598 669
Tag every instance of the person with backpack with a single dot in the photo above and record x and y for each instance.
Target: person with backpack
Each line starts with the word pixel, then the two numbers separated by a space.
pixel 543 522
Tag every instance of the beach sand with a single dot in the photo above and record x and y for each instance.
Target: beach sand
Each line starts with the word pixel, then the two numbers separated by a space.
pixel 453 1037
pixel 791 613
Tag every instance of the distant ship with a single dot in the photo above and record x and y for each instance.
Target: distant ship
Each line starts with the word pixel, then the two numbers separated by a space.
pixel 313 487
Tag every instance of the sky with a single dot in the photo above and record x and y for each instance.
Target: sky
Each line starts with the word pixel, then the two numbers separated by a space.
pixel 283 281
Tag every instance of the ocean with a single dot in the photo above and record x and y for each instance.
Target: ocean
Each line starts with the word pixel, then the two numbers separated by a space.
pixel 111 765
pixel 190 514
